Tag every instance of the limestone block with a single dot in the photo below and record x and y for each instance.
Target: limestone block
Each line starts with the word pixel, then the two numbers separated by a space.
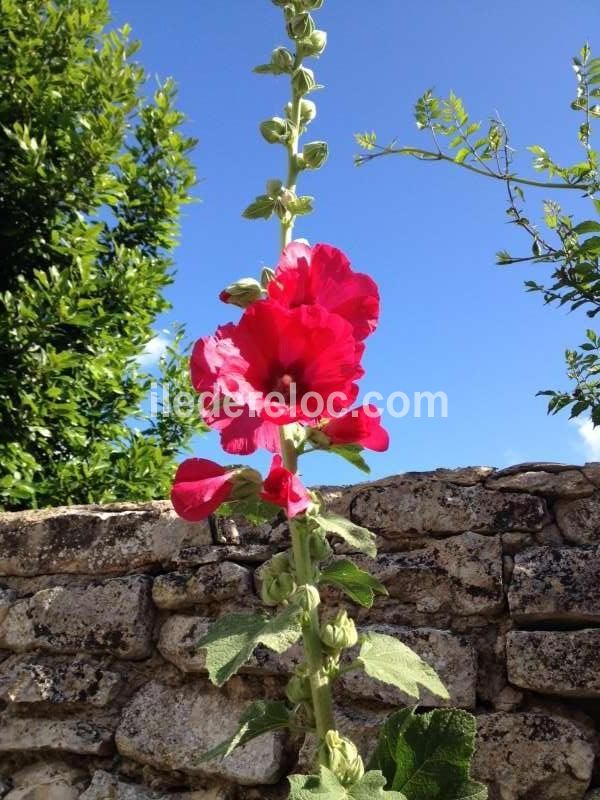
pixel 570 483
pixel 532 755
pixel 169 727
pixel 563 663
pixel 107 786
pixel 69 735
pixel 94 539
pixel 579 520
pixel 213 583
pixel 556 584
pixel 113 616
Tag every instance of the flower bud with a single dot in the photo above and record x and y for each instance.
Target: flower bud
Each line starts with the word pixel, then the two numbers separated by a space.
pixel 266 276
pixel 280 3
pixel 282 60
pixel 242 293
pixel 340 755
pixel 277 588
pixel 308 111
pixel 315 44
pixel 274 186
pixel 304 81
pixel 276 130
pixel 278 564
pixel 319 547
pixel 247 483
pixel 309 597
pixel 300 26
pixel 340 633
pixel 311 5
pixel 315 154
pixel 298 687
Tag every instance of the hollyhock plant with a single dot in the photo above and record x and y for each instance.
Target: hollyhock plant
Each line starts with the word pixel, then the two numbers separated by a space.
pixel 284 379
pixel 322 275
pixel 285 489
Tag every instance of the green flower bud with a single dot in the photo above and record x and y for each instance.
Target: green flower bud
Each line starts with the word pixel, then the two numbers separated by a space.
pixel 304 81
pixel 274 187
pixel 309 597
pixel 340 633
pixel 298 688
pixel 242 293
pixel 282 60
pixel 341 756
pixel 266 276
pixel 319 547
pixel 279 564
pixel 315 154
pixel 277 588
pixel 280 3
pixel 312 5
pixel 300 26
pixel 276 130
pixel 284 200
pixel 247 482
pixel 314 45
pixel 308 111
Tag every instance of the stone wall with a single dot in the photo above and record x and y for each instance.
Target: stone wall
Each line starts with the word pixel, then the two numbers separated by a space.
pixel 493 576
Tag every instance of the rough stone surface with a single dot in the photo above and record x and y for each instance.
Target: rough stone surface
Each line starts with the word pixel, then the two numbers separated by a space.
pixel 168 727
pixel 551 584
pixel 212 583
pixel 532 756
pixel 7 598
pixel 47 780
pixel 62 735
pixel 462 574
pixel 113 616
pixel 440 508
pixel 106 786
pixel 93 539
pixel 564 663
pixel 58 683
pixel 452 657
pixel 579 520
pixel 571 483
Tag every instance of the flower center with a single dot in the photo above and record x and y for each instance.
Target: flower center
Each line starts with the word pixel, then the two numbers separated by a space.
pixel 283 385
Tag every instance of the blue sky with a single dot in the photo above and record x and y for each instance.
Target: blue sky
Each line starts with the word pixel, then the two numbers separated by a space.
pixel 451 320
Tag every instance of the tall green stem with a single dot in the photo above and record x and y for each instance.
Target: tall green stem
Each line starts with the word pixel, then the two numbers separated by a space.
pixel 313 648
pixel 287 225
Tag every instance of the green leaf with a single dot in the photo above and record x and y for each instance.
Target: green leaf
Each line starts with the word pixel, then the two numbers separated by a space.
pixel 357 537
pixel 353 581
pixel 589 226
pixel 353 454
pixel 389 660
pixel 301 205
pixel 261 208
pixel 461 155
pixel 327 787
pixel 428 756
pixel 231 640
pixel 259 718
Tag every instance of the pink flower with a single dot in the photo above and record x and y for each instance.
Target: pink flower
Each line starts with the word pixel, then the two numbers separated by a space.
pixel 199 488
pixel 284 365
pixel 360 426
pixel 282 488
pixel 242 433
pixel 322 275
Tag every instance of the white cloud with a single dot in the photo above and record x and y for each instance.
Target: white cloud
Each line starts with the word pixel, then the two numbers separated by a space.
pixel 153 351
pixel 589 438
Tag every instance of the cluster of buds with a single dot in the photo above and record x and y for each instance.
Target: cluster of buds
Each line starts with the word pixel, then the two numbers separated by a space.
pixel 278 581
pixel 340 755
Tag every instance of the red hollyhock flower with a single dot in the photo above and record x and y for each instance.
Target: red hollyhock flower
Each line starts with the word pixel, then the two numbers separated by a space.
pixel 360 426
pixel 199 488
pixel 242 433
pixel 284 365
pixel 282 488
pixel 322 275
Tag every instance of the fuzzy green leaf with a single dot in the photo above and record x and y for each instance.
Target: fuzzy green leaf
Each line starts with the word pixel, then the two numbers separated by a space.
pixel 231 640
pixel 353 581
pixel 389 660
pixel 428 756
pixel 356 536
pixel 327 787
pixel 353 454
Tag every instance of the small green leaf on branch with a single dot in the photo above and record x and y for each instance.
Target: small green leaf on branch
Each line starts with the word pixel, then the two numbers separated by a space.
pixel 353 581
pixel 259 718
pixel 353 454
pixel 356 536
pixel 261 208
pixel 327 787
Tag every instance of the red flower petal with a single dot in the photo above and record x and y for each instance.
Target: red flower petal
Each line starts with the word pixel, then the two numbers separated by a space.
pixel 360 426
pixel 285 489
pixel 199 488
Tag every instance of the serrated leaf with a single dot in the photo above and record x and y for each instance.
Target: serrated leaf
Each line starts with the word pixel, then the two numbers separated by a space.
pixel 389 660
pixel 231 640
pixel 428 756
pixel 259 718
pixel 327 787
pixel 356 536
pixel 301 205
pixel 353 581
pixel 261 208
pixel 353 454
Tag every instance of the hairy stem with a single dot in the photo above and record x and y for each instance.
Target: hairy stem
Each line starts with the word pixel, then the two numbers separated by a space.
pixel 287 224
pixel 313 649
